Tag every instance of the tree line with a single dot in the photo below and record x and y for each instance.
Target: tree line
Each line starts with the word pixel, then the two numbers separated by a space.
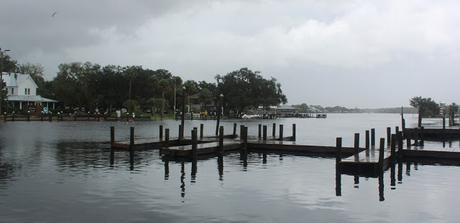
pixel 91 87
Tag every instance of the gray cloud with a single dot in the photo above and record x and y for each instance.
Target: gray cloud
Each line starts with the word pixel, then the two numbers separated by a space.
pixel 359 53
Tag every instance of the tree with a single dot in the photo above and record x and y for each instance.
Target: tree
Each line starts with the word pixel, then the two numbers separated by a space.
pixel 243 89
pixel 426 108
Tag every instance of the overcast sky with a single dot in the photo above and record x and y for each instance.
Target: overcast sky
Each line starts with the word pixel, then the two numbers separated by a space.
pixel 329 52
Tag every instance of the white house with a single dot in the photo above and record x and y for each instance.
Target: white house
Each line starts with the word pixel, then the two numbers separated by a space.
pixel 22 92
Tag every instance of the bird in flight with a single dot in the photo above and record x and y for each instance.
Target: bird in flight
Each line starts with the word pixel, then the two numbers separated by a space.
pixel 54 14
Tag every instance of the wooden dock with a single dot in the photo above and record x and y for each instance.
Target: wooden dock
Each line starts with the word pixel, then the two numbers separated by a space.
pixel 368 161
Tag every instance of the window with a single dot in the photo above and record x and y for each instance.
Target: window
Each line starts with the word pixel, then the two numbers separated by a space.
pixel 27 91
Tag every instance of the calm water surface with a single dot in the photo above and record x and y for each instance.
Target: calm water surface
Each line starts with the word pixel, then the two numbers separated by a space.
pixel 60 172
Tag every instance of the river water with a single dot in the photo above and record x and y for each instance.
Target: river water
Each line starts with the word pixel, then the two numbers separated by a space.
pixel 60 172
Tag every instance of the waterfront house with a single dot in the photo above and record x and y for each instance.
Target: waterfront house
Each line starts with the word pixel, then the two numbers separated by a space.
pixel 22 93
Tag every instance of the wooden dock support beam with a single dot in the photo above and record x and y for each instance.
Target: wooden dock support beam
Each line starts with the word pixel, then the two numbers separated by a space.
pixel 201 130
pixel 388 136
pixel 167 134
pixel 293 132
pixel 367 143
pixel 381 152
pixel 112 136
pixel 400 144
pixel 338 144
pixel 259 131
pixel 393 146
pixel 181 132
pixel 234 130
pixel 264 135
pixel 131 147
pixel 422 140
pixel 194 144
pixel 281 132
pixel 356 146
pixel 372 137
pixel 274 130
pixel 160 134
pixel 408 143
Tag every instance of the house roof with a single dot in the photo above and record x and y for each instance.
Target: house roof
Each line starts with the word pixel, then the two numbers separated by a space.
pixel 285 107
pixel 16 79
pixel 31 98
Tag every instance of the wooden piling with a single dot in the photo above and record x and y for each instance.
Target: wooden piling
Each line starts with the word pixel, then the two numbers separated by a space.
pixel 181 135
pixel 274 130
pixel 194 145
pixel 381 152
pixel 408 143
pixel 160 134
pixel 264 135
pixel 422 140
pixel 393 146
pixel 167 134
pixel 112 136
pixel 241 132
pixel 372 137
pixel 221 140
pixel 281 132
pixel 396 129
pixel 444 122
pixel 356 145
pixel 293 132
pixel 367 143
pixel 131 138
pixel 234 129
pixel 259 131
pixel 338 143
pixel 388 136
pixel 201 130
pixel 400 144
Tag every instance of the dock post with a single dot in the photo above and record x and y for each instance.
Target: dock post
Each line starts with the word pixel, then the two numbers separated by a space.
pixel 408 143
pixel 167 134
pixel 181 136
pixel 396 129
pixel 444 122
pixel 245 138
pixel 422 141
pixel 131 138
pixel 372 137
pixel 201 130
pixel 161 133
pixel 234 130
pixel 194 144
pixel 221 140
pixel 259 131
pixel 338 143
pixel 356 146
pixel 131 146
pixel 293 132
pixel 400 144
pixel 274 130
pixel 367 142
pixel 264 135
pixel 241 133
pixel 388 136
pixel 338 175
pixel 112 136
pixel 281 132
pixel 393 146
pixel 381 152
pixel 403 126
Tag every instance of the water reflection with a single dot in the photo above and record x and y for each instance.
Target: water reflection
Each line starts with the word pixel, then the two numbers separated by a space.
pixel 182 180
pixel 220 167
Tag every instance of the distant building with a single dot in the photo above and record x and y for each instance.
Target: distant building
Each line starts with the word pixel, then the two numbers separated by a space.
pixel 22 92
pixel 286 111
